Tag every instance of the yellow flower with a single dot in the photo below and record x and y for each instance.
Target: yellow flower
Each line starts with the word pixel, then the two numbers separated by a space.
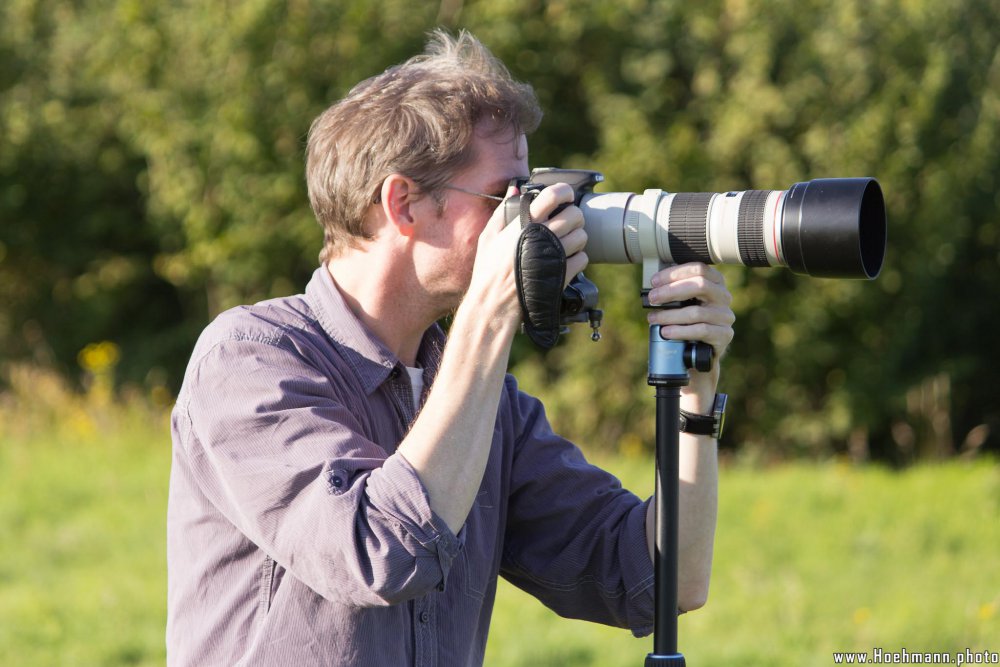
pixel 100 357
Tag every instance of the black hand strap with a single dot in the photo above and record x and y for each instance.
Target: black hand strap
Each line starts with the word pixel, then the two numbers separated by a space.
pixel 540 269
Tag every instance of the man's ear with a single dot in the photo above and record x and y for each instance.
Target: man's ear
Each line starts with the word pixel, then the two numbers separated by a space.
pixel 398 196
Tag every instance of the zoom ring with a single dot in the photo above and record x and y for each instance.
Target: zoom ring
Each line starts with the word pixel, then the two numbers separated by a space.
pixel 688 227
pixel 750 228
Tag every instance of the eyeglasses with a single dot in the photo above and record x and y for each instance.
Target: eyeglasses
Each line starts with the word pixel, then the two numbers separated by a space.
pixel 377 199
pixel 470 192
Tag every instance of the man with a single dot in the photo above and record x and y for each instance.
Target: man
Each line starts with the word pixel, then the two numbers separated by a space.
pixel 347 484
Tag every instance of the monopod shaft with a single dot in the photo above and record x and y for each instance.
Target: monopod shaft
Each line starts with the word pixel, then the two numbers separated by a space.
pixel 667 496
pixel 669 361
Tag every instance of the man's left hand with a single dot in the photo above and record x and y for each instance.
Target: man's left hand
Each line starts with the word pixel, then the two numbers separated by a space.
pixel 711 321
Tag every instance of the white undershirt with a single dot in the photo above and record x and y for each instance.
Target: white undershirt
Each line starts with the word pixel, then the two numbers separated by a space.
pixel 416 383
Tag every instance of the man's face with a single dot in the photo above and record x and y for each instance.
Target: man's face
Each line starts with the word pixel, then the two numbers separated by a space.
pixel 448 252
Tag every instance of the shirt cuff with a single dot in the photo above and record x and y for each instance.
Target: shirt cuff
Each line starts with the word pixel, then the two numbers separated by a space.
pixel 398 493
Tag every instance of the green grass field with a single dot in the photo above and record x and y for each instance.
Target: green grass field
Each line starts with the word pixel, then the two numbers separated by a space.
pixel 810 559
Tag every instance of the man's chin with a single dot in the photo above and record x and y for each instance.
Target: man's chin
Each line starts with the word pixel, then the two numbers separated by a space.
pixel 448 304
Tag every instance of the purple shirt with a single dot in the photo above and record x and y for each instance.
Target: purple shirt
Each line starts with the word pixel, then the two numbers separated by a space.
pixel 297 536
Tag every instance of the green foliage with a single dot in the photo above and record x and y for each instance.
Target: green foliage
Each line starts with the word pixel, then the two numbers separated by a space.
pixel 151 176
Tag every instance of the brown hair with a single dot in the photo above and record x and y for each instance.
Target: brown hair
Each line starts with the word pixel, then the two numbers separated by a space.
pixel 417 119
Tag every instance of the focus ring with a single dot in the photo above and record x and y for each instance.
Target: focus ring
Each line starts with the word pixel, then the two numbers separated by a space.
pixel 632 246
pixel 750 228
pixel 687 227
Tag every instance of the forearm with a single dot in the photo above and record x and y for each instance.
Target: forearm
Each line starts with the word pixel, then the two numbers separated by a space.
pixel 698 499
pixel 449 443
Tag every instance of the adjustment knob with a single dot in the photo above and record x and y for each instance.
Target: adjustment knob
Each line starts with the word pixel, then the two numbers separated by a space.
pixel 699 356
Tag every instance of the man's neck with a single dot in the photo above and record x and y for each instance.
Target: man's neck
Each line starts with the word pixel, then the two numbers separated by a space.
pixel 381 300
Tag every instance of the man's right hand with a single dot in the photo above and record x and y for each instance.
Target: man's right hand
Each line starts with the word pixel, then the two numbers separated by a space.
pixel 493 273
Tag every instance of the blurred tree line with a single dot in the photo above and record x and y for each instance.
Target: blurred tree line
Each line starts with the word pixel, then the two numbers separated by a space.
pixel 151 159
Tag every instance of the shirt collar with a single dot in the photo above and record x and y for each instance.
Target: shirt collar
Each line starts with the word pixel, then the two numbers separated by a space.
pixel 370 358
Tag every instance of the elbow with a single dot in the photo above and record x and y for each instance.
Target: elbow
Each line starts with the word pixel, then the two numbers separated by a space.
pixel 371 597
pixel 390 597
pixel 693 596
pixel 390 587
pixel 693 582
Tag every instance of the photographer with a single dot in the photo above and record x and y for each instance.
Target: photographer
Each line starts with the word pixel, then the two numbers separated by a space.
pixel 347 481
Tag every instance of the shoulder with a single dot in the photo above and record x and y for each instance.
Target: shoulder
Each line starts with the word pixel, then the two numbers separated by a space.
pixel 282 335
pixel 267 321
pixel 277 322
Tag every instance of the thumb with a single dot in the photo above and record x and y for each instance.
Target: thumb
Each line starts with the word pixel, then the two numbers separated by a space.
pixel 499 219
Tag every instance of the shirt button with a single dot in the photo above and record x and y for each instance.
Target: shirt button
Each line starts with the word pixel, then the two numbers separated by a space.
pixel 424 617
pixel 337 482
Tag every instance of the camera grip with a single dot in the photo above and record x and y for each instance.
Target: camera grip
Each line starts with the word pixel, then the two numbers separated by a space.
pixel 540 270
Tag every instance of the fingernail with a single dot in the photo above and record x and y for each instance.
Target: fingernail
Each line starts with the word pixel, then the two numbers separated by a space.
pixel 655 280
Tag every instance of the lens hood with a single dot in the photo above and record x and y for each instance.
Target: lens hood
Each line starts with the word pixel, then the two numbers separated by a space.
pixel 834 228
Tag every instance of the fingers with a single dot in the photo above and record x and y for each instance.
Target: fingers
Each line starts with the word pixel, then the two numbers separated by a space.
pixel 498 221
pixel 693 269
pixel 714 315
pixel 549 199
pixel 567 224
pixel 574 265
pixel 574 242
pixel 712 325
pixel 719 336
pixel 690 281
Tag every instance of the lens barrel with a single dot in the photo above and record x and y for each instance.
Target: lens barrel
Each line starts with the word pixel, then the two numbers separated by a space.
pixel 830 227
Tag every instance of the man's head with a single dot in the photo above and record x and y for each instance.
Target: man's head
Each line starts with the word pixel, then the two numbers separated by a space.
pixel 418 119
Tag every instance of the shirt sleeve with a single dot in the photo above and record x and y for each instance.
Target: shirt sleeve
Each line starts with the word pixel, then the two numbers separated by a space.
pixel 285 461
pixel 575 539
